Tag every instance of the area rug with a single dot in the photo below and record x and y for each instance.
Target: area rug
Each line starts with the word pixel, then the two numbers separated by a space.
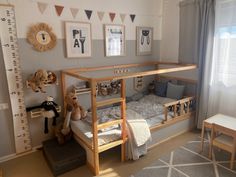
pixel 186 161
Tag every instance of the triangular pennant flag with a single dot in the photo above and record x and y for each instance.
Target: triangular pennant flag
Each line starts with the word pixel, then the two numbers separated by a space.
pixel 112 16
pixel 74 11
pixel 132 16
pixel 100 15
pixel 42 7
pixel 122 17
pixel 88 13
pixel 59 9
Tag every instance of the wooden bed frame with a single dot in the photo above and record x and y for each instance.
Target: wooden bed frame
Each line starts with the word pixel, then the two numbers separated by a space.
pixel 181 108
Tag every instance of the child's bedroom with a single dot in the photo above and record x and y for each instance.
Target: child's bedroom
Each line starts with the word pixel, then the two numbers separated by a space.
pixel 118 88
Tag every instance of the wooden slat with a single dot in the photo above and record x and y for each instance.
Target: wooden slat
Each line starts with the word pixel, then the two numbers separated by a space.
pixel 123 115
pixel 116 66
pixel 110 145
pixel 147 73
pixel 74 74
pixel 175 110
pixel 78 72
pixel 110 123
pixel 94 126
pixel 109 102
pixel 151 63
pixel 170 103
pixel 172 121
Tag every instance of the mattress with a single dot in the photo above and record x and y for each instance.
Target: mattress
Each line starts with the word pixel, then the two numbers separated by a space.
pixel 149 108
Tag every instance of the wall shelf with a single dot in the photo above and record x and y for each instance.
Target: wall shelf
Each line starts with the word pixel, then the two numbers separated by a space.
pixel 81 91
pixel 36 113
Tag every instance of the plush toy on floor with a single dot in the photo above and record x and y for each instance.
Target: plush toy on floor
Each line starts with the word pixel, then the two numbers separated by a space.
pixel 78 111
pixel 74 112
pixel 63 131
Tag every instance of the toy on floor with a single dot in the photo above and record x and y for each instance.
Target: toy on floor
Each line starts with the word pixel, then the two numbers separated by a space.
pixel 78 111
pixel 49 112
pixel 63 131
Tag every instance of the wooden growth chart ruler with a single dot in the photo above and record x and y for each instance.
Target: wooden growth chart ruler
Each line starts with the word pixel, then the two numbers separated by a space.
pixel 8 35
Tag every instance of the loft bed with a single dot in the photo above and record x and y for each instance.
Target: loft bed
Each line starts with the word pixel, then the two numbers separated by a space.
pixel 90 138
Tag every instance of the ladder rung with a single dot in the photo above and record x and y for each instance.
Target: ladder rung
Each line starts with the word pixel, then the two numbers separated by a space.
pixel 111 145
pixel 109 102
pixel 108 124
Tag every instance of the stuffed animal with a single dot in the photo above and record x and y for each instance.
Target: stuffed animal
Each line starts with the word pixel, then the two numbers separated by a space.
pixel 50 111
pixel 78 111
pixel 38 81
pixel 63 131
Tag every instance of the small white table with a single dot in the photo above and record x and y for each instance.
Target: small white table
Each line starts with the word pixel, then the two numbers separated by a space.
pixel 220 119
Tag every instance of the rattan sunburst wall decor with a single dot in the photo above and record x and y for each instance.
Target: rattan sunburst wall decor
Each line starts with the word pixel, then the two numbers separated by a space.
pixel 41 37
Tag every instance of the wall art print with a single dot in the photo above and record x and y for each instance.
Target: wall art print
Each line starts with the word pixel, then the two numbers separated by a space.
pixel 144 40
pixel 78 39
pixel 115 40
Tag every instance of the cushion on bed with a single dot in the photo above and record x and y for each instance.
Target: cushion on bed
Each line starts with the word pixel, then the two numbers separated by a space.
pixel 160 88
pixel 174 91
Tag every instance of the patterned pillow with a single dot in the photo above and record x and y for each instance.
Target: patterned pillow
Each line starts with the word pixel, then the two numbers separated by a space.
pixel 160 88
pixel 175 91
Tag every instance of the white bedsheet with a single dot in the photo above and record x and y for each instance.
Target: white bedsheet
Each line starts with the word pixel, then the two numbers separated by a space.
pixel 84 130
pixel 149 107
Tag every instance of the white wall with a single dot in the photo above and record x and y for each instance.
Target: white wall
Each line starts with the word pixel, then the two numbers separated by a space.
pixel 170 30
pixel 148 13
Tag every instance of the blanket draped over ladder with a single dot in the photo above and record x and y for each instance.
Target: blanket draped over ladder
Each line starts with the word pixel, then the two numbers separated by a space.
pixel 138 134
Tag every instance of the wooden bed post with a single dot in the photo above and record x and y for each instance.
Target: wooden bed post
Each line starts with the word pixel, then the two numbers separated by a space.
pixel 94 126
pixel 123 116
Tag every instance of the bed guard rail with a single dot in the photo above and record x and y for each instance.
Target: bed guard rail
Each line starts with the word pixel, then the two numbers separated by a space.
pixel 179 108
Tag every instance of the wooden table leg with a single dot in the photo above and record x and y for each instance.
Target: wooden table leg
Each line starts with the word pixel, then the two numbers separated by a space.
pixel 202 136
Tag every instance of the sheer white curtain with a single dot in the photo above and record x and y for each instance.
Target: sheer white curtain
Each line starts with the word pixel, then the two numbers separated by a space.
pixel 223 76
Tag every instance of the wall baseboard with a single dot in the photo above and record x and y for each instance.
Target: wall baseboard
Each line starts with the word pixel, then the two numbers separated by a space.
pixel 14 155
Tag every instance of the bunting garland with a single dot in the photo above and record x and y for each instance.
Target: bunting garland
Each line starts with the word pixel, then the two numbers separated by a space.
pixel 88 13
pixel 42 7
pixel 122 17
pixel 112 16
pixel 59 9
pixel 132 16
pixel 100 15
pixel 74 11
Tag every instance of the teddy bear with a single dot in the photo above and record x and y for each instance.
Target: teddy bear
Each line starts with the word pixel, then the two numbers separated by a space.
pixel 38 81
pixel 63 131
pixel 78 111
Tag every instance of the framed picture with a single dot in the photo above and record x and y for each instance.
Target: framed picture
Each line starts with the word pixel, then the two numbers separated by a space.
pixel 78 39
pixel 144 40
pixel 114 40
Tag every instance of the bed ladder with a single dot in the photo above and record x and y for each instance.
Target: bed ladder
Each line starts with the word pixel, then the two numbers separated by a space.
pixel 122 121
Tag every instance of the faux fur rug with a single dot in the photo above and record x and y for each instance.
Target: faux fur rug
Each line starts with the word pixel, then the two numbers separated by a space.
pixel 186 161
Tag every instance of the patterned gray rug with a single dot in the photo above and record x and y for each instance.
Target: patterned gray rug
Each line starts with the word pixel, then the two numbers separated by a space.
pixel 186 161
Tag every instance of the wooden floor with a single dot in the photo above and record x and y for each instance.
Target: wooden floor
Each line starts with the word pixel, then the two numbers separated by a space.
pixel 34 165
